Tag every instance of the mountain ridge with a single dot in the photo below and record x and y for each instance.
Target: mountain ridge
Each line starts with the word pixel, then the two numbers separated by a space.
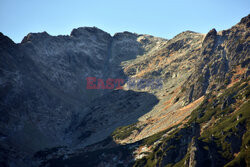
pixel 45 103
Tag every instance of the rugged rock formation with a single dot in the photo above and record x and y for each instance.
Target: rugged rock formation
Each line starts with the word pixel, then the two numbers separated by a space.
pixel 44 100
pixel 49 117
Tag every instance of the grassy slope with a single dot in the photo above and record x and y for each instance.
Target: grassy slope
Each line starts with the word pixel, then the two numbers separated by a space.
pixel 231 124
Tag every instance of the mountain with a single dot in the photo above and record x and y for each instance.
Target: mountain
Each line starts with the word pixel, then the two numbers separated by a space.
pixel 184 101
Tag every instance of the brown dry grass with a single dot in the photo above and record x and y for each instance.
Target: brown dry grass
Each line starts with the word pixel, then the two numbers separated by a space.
pixel 169 119
pixel 237 72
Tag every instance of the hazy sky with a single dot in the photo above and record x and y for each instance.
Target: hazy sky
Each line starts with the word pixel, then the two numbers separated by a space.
pixel 163 18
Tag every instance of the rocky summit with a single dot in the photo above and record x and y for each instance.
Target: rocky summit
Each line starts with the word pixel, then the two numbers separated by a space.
pixel 183 101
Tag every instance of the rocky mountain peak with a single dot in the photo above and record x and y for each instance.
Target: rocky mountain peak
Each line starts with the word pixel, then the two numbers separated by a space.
pixel 124 35
pixel 185 34
pixel 209 42
pixel 85 32
pixel 210 35
pixel 32 37
pixel 245 21
pixel 5 41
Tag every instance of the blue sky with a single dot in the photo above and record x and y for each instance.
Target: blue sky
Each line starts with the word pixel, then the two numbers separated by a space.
pixel 163 18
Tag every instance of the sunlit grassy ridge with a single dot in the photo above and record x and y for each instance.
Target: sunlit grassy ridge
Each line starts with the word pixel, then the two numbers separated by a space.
pixel 227 136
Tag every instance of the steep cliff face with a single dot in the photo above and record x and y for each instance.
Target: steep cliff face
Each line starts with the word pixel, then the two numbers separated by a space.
pixel 221 53
pixel 45 103
pixel 44 100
